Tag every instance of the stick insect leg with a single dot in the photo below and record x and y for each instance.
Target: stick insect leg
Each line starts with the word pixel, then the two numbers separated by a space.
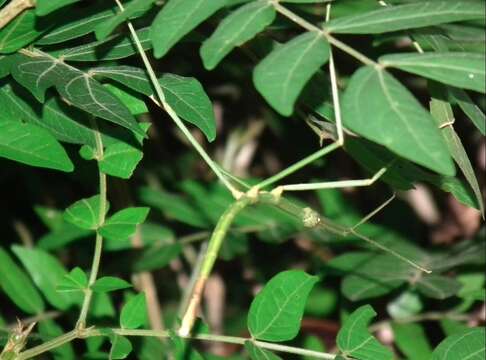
pixel 373 213
pixel 332 184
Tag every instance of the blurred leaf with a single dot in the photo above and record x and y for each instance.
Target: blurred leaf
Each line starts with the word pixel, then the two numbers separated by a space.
pixel 18 287
pixel 49 330
pixel 182 349
pixel 313 343
pixel 257 353
pixel 469 344
pixel 402 17
pixel 438 287
pixel 46 271
pixel 399 121
pixel 355 340
pixel 123 224
pixel 412 341
pixel 109 283
pixel 32 145
pixel 134 312
pixel 149 233
pixel 472 111
pixel 173 206
pixel 321 302
pixel 121 347
pixel 407 304
pixel 276 312
pixel 157 257
pixel 236 29
pixel 281 76
pixel 176 19
pixel 84 213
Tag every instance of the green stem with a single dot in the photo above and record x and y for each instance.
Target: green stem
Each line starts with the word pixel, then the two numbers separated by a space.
pixel 298 165
pixel 332 40
pixel 210 257
pixel 88 294
pixel 165 334
pixel 160 94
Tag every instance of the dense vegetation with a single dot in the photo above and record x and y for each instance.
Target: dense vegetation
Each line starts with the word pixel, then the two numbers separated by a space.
pixel 264 179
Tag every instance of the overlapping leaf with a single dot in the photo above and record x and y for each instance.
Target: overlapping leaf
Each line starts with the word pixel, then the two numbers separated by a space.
pixel 20 32
pixel 281 76
pixel 393 18
pixel 185 95
pixel 376 106
pixel 123 223
pixel 38 71
pixel 44 7
pixel 236 29
pixel 84 213
pixel 176 19
pixel 18 287
pixel 464 70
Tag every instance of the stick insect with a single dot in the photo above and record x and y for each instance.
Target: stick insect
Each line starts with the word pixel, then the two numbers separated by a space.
pixel 309 217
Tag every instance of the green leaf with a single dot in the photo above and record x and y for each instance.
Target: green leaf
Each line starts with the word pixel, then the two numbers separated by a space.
pixel 150 234
pixel 18 287
pixel 112 48
pixel 182 349
pixel 121 347
pixel 468 344
pixel 77 24
pixel 123 224
pixel 442 113
pixel 236 29
pixel 109 283
pixel 134 312
pixel 412 341
pixel 64 122
pixel 20 32
pixel 39 71
pixel 32 145
pixel 281 76
pixel 355 340
pixel 176 19
pixel 376 106
pixel 84 213
pixel 46 271
pixel 132 8
pixel 62 236
pixel 157 257
pixel 314 343
pixel 44 7
pixel 76 280
pixel 184 94
pixel 461 69
pixel 276 312
pixel 173 206
pixel 438 287
pixel 257 353
pixel 404 17
pixel 407 304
